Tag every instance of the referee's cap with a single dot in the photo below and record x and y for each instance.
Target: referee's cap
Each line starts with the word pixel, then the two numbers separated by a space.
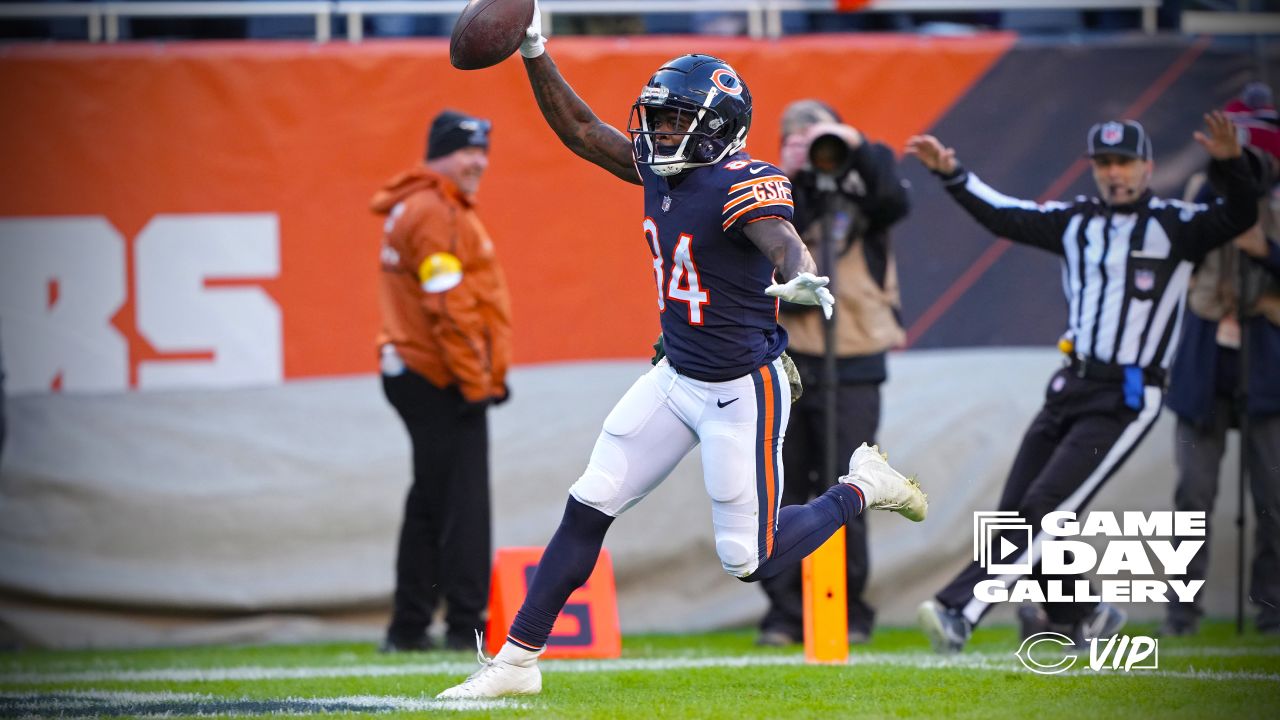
pixel 1126 138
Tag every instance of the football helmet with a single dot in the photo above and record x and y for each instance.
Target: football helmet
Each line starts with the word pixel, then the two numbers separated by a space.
pixel 712 114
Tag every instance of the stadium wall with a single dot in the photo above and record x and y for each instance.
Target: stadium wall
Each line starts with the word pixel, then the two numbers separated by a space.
pixel 251 165
pixel 189 220
pixel 271 514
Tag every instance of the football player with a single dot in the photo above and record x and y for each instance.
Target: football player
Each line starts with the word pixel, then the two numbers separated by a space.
pixel 718 225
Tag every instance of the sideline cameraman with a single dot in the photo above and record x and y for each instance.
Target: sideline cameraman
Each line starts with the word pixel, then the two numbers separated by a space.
pixel 846 188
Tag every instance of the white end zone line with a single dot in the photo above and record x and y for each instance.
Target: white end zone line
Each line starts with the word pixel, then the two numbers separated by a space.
pixel 999 661
pixel 93 703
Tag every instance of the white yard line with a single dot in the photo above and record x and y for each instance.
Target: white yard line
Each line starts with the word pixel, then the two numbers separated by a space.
pixel 97 703
pixel 243 672
pixel 979 661
pixel 1260 651
pixel 118 696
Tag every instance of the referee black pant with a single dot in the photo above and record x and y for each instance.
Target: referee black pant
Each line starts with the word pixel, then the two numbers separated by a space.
pixel 1081 436
pixel 444 548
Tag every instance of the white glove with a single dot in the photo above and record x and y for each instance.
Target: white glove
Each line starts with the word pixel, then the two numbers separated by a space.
pixel 534 43
pixel 805 289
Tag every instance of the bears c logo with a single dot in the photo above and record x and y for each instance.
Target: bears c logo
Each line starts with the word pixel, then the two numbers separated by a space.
pixel 728 83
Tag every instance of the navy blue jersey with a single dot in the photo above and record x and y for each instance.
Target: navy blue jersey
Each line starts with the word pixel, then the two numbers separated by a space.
pixel 717 322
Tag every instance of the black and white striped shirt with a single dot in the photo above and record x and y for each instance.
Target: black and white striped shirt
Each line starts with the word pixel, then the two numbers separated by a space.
pixel 1125 268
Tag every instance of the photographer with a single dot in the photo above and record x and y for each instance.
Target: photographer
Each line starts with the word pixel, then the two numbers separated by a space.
pixel 1225 373
pixel 847 189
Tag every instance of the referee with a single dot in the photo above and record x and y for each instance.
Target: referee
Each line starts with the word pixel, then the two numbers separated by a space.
pixel 1126 258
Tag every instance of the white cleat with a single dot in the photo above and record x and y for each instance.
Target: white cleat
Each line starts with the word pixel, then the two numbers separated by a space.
pixel 513 671
pixel 884 488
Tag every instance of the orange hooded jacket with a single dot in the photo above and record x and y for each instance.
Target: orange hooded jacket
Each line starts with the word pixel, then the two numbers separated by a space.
pixel 443 297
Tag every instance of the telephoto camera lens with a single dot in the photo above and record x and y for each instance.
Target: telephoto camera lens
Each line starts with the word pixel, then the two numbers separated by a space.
pixel 829 154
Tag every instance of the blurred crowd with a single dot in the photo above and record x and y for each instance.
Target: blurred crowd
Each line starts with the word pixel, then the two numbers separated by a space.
pixel 707 23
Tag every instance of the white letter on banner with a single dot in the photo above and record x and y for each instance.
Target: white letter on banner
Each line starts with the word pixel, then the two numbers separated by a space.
pixel 1125 556
pixel 1053 557
pixel 61 281
pixel 240 326
pixel 1186 589
pixel 1142 648
pixel 991 591
pixel 1188 523
pixel 1175 560
pixel 1060 523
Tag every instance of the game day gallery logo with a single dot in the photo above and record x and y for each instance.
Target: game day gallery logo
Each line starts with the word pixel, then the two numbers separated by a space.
pixel 1139 546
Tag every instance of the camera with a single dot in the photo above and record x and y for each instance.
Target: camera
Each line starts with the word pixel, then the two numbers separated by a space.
pixel 830 155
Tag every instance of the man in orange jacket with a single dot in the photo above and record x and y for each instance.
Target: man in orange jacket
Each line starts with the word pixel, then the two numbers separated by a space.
pixel 445 347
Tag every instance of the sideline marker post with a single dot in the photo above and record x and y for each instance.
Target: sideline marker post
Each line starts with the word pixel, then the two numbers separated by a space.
pixel 826 606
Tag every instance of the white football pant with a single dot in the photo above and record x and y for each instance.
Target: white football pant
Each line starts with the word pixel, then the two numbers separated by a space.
pixel 740 424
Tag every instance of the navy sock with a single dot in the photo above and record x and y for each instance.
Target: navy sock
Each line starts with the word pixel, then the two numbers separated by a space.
pixel 803 528
pixel 565 566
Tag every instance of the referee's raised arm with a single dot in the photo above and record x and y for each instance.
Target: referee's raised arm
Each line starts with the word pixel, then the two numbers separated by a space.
pixel 1022 221
pixel 1237 210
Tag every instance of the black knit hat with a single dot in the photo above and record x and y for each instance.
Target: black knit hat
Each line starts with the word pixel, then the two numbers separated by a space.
pixel 452 131
pixel 1120 137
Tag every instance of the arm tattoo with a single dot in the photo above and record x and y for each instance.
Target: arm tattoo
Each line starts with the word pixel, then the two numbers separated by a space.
pixel 575 124
pixel 780 242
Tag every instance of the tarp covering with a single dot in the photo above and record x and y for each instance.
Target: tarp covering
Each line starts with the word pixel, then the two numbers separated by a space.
pixel 272 514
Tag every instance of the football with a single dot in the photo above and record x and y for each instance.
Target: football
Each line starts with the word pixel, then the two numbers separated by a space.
pixel 488 31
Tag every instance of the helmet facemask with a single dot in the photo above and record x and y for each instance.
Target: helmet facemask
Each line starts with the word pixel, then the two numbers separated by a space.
pixel 701 132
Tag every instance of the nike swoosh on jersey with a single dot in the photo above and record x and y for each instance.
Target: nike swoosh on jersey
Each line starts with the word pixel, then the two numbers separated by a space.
pixel 755 170
pixel 721 404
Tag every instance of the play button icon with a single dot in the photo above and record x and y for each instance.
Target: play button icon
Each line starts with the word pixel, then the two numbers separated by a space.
pixel 1002 542
pixel 1006 548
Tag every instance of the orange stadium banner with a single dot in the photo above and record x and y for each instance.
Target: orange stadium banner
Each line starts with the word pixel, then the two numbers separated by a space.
pixel 195 214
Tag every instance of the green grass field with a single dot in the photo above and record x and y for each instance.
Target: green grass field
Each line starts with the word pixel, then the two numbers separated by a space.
pixel 716 675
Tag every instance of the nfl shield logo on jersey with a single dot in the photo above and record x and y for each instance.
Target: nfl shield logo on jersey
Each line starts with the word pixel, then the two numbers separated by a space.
pixel 1144 280
pixel 1112 133
pixel 666 203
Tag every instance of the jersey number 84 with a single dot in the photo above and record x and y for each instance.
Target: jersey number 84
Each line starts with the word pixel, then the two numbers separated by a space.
pixel 684 284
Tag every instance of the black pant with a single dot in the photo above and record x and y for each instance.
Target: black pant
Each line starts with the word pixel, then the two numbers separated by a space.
pixel 1198 451
pixel 803 457
pixel 1079 439
pixel 444 541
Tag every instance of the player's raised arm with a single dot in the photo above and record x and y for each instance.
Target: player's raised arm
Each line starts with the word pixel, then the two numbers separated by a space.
pixel 572 119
